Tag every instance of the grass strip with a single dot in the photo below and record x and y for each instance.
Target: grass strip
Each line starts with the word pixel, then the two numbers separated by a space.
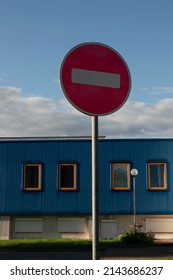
pixel 54 243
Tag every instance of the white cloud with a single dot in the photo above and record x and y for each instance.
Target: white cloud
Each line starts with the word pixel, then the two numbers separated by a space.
pixel 139 119
pixel 158 90
pixel 56 81
pixel 22 115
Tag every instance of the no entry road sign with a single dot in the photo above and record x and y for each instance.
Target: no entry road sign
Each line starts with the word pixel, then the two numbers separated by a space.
pixel 95 79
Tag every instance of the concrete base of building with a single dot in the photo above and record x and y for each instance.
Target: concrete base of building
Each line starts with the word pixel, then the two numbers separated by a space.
pixel 4 227
pixel 80 227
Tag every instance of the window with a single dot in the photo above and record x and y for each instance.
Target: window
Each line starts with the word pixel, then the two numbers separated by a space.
pixel 157 176
pixel 120 176
pixel 32 176
pixel 28 225
pixel 67 176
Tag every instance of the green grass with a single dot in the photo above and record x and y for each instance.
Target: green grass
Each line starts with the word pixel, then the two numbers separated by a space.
pixel 54 243
pixel 63 243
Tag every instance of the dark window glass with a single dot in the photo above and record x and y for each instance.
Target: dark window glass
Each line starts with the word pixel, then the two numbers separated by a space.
pixel 157 175
pixel 121 176
pixel 32 176
pixel 67 176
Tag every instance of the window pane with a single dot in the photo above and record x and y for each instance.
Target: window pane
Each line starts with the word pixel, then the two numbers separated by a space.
pixel 31 176
pixel 120 176
pixel 157 175
pixel 67 176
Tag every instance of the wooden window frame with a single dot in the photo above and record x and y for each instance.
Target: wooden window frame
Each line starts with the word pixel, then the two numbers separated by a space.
pixel 74 187
pixel 127 188
pixel 160 188
pixel 39 176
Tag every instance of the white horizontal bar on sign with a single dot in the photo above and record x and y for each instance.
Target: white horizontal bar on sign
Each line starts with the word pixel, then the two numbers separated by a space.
pixel 95 78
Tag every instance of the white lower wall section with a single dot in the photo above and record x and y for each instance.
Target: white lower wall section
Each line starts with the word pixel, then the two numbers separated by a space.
pixel 4 227
pixel 72 227
pixel 159 225
pixel 80 227
pixel 162 227
pixel 28 225
pixel 49 226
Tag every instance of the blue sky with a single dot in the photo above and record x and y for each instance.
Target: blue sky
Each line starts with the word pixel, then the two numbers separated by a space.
pixel 37 34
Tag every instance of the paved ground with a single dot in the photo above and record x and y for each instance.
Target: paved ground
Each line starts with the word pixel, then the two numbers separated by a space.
pixel 152 252
pixel 159 250
pixel 45 255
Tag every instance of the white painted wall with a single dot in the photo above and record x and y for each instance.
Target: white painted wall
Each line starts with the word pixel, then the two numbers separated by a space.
pixel 4 227
pixel 51 226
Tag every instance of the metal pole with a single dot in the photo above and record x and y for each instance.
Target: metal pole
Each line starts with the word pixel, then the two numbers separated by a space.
pixel 95 202
pixel 134 201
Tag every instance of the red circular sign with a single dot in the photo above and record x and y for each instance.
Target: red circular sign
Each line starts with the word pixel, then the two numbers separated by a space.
pixel 95 79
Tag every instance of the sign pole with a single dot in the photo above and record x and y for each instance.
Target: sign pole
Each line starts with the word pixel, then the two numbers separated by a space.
pixel 95 200
pixel 96 81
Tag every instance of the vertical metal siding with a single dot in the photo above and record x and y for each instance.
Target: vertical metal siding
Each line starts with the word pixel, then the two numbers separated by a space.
pixel 3 177
pixel 138 153
pixel 51 201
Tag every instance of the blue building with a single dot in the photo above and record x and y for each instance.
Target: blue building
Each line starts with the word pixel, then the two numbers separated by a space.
pixel 45 186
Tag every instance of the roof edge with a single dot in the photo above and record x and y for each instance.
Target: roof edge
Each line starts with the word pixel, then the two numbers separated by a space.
pixel 48 138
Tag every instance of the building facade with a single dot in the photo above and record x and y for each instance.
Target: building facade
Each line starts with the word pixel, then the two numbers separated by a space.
pixel 46 187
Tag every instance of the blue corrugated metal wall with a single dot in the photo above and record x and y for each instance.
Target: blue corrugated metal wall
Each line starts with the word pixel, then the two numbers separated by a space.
pixel 13 200
pixel 138 153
